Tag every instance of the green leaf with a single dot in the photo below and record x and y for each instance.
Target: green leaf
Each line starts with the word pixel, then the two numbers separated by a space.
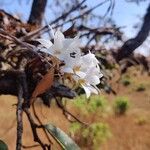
pixel 3 146
pixel 62 138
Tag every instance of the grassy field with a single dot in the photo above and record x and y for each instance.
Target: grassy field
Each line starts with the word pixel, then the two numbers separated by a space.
pixel 108 131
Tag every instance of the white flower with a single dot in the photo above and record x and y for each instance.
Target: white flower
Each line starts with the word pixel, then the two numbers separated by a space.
pixel 62 47
pixel 89 90
pixel 90 59
pixel 89 80
pixel 86 72
pixel 88 64
pixel 93 74
pixel 83 69
pixel 72 62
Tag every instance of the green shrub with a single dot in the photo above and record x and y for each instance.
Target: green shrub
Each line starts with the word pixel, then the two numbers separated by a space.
pixel 95 134
pixel 94 104
pixel 140 88
pixel 126 81
pixel 97 103
pixel 121 105
pixel 99 132
pixel 75 127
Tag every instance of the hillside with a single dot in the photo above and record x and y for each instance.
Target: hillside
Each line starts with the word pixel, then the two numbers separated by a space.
pixel 130 131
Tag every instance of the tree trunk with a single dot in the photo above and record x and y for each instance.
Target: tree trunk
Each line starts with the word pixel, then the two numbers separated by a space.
pixel 130 45
pixel 37 12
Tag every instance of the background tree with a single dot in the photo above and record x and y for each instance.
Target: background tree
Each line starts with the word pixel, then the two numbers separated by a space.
pixel 23 68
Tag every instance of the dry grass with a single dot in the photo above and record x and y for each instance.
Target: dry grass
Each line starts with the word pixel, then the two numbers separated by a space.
pixel 130 132
pixel 8 122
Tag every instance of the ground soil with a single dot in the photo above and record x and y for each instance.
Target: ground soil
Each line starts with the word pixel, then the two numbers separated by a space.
pixel 129 132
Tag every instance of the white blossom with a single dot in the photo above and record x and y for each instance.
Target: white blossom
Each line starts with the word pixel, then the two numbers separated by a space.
pixel 62 47
pixel 84 70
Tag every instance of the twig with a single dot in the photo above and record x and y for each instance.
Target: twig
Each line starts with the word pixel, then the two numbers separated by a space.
pixel 46 28
pixel 101 31
pixel 40 122
pixel 13 38
pixel 19 117
pixel 63 16
pixel 67 112
pixel 24 44
pixel 36 116
pixel 34 127
pixel 79 16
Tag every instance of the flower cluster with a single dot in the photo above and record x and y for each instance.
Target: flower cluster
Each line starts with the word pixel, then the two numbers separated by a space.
pixel 84 69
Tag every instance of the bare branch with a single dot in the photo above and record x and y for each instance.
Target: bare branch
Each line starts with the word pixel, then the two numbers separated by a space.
pixel 40 122
pixel 19 117
pixel 60 105
pixel 34 127
pixel 46 28
pixel 130 45
pixel 102 31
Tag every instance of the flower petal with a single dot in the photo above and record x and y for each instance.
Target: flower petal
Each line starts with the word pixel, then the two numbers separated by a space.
pixel 94 80
pixel 45 50
pixel 58 40
pixel 87 91
pixel 81 74
pixel 46 43
pixel 93 90
pixel 67 43
pixel 59 35
pixel 67 70
pixel 90 59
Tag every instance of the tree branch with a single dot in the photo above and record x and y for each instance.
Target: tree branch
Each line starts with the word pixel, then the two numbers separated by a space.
pixel 44 29
pixel 19 116
pixel 101 31
pixel 66 112
pixel 130 45
pixel 34 127
pixel 37 12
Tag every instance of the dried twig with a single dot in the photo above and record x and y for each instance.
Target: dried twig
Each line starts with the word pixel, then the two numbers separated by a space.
pixel 101 31
pixel 34 127
pixel 30 47
pixel 69 113
pixel 18 41
pixel 63 16
pixel 44 29
pixel 19 117
pixel 40 122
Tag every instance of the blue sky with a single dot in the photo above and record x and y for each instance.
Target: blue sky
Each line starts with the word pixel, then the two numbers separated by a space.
pixel 125 14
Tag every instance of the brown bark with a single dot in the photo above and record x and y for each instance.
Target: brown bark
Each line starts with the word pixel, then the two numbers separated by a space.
pixel 130 45
pixel 19 113
pixel 37 12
